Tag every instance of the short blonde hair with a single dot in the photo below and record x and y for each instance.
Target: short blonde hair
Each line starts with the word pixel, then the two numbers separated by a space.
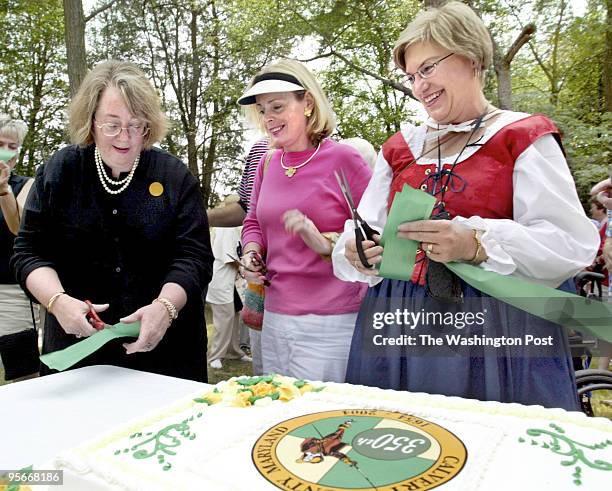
pixel 455 27
pixel 136 90
pixel 322 122
pixel 13 128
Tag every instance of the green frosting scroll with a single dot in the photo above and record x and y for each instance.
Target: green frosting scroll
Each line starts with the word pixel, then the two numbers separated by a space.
pixel 63 359
pixel 569 310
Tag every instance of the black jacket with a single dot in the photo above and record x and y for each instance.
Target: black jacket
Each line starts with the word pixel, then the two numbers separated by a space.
pixel 120 249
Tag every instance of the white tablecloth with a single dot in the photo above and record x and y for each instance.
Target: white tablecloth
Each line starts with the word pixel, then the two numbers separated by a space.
pixel 41 417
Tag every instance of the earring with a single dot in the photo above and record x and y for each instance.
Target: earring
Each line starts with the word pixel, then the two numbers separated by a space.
pixel 307 112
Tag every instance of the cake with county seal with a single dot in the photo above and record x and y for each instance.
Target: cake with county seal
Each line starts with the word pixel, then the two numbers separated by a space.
pixel 274 432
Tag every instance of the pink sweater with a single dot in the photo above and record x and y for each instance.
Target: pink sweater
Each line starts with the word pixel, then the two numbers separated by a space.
pixel 301 281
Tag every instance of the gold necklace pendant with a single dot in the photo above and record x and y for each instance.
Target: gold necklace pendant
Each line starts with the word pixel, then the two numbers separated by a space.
pixel 290 170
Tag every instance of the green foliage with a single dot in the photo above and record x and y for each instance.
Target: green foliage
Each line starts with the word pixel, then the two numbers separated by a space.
pixel 32 75
pixel 354 40
pixel 561 76
pixel 588 149
pixel 201 55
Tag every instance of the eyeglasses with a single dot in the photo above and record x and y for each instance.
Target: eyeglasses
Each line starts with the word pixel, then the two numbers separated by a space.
pixel 426 71
pixel 114 129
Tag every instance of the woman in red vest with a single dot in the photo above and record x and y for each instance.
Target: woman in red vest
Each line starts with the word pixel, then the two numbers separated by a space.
pixel 505 201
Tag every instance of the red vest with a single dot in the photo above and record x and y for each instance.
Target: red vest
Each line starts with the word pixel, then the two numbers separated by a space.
pixel 481 185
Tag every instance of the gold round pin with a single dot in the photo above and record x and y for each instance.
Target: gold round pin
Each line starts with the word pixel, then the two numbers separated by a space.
pixel 156 189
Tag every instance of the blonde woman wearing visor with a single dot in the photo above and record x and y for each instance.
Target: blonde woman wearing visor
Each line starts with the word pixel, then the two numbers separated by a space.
pixel 296 211
pixel 116 221
pixel 501 181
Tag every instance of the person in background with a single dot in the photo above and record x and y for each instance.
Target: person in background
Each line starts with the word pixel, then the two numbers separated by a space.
pixel 232 215
pixel 116 221
pixel 220 296
pixel 505 201
pixel 296 212
pixel 364 147
pixel 599 214
pixel 602 192
pixel 18 337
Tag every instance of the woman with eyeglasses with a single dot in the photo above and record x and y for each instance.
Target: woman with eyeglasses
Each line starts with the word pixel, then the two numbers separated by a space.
pixel 18 339
pixel 117 222
pixel 505 202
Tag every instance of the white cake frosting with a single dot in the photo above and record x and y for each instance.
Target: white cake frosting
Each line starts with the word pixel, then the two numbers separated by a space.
pixel 193 445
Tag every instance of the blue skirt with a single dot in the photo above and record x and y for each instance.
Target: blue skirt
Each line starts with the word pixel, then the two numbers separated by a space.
pixel 524 373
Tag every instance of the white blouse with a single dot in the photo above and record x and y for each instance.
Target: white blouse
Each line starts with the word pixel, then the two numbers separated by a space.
pixel 550 238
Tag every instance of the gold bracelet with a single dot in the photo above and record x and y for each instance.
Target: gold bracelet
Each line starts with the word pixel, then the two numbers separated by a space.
pixel 172 312
pixel 52 300
pixel 332 238
pixel 479 249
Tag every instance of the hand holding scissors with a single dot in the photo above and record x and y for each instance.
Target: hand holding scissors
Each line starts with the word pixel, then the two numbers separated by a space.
pixel 93 317
pixel 363 231
pixel 257 266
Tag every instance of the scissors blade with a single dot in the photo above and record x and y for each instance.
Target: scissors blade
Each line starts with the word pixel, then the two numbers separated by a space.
pixel 345 192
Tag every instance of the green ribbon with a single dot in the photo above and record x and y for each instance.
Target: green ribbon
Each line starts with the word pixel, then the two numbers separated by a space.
pixel 567 309
pixel 63 359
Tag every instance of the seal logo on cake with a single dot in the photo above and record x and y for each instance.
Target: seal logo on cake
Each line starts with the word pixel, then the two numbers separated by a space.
pixel 358 449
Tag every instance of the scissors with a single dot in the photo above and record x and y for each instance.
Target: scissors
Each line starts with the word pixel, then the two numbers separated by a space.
pixel 362 230
pixel 93 317
pixel 263 270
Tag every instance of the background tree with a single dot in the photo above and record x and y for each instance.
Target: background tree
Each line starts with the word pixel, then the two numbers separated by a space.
pixel 561 75
pixel 353 42
pixel 76 55
pixel 200 55
pixel 32 81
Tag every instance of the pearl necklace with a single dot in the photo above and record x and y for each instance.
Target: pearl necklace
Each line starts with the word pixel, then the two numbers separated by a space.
pixel 292 169
pixel 104 179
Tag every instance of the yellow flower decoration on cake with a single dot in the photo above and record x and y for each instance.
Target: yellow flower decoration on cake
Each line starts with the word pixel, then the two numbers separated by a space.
pixel 243 399
pixel 263 389
pixel 306 388
pixel 257 391
pixel 213 397
pixel 287 393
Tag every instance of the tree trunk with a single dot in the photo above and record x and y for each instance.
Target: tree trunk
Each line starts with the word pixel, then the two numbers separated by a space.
pixel 192 156
pixel 210 154
pixel 74 32
pixel 502 62
pixel 208 161
pixel 504 86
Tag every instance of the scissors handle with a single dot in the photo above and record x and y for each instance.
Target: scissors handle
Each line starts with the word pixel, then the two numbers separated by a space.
pixel 369 231
pixel 93 317
pixel 263 271
pixel 359 238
